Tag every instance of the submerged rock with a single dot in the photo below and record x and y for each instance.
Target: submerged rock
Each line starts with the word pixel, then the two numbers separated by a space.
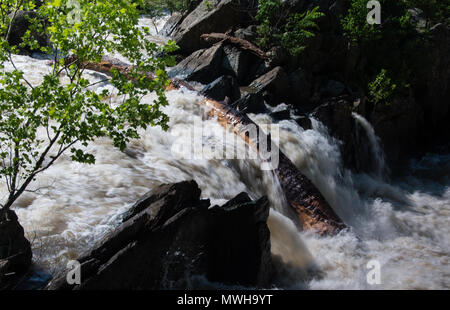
pixel 171 237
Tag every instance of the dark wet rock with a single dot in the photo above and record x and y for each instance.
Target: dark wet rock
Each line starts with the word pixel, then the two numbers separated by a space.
pixel 15 251
pixel 281 113
pixel 333 88
pixel 202 66
pixel 258 69
pixel 304 122
pixel 274 86
pixel 336 114
pixel 250 103
pixel 224 86
pixel 171 237
pixel 237 62
pixel 300 86
pixel 400 128
pixel 209 16
pixel 434 92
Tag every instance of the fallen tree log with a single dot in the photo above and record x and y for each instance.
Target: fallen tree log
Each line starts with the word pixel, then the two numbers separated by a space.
pixel 214 38
pixel 311 207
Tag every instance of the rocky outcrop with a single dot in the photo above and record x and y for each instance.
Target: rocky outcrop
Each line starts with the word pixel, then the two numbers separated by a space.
pixel 171 237
pixel 209 16
pixel 15 251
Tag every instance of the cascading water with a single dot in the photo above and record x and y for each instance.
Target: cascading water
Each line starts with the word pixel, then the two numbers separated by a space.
pixel 377 151
pixel 404 225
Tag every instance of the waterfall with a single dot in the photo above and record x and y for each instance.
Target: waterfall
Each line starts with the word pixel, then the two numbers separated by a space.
pixel 381 168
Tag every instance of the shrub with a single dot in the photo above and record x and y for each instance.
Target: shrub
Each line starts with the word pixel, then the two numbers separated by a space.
pixel 382 89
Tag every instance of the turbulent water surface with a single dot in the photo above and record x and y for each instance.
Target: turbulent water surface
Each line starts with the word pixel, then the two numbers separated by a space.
pixel 403 224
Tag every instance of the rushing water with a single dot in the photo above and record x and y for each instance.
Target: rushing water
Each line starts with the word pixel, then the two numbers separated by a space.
pixel 377 152
pixel 404 225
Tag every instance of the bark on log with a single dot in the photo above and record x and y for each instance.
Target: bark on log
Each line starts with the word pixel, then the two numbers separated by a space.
pixel 311 207
pixel 214 38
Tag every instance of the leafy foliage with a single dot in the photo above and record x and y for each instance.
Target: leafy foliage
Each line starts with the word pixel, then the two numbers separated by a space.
pixel 355 25
pixel 382 88
pixel 298 29
pixel 278 26
pixel 63 106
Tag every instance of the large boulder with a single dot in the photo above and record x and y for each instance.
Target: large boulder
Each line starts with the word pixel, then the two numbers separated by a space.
pixel 202 66
pixel 209 16
pixel 15 251
pixel 170 238
pixel 237 62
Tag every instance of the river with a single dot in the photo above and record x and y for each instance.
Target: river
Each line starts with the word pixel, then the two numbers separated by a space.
pixel 403 224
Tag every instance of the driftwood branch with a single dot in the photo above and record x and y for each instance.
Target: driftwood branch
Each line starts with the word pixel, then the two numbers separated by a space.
pixel 214 38
pixel 311 207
